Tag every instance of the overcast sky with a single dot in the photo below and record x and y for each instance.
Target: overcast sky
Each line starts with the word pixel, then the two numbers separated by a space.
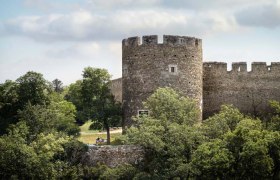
pixel 58 38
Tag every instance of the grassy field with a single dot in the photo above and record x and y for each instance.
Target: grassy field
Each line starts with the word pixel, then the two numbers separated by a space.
pixel 90 136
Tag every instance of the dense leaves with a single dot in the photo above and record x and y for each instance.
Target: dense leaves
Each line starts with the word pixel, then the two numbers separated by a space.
pixel 94 101
pixel 227 145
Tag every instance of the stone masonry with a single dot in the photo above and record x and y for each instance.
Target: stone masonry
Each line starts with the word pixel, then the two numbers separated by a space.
pixel 113 156
pixel 178 63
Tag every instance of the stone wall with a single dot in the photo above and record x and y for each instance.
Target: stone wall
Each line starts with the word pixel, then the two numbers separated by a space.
pixel 116 89
pixel 148 66
pixel 248 91
pixel 113 156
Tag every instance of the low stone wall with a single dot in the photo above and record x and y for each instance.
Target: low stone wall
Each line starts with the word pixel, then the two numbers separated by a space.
pixel 113 156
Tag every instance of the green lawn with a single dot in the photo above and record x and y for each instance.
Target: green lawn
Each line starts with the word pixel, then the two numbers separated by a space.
pixel 89 136
pixel 85 128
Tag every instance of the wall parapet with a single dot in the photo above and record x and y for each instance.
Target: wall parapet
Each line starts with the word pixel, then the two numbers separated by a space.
pixel 242 66
pixel 167 40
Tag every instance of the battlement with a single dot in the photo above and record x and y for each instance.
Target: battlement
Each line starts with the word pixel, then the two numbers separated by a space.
pixel 167 40
pixel 242 67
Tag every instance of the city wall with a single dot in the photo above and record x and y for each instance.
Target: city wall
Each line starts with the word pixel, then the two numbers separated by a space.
pixel 249 91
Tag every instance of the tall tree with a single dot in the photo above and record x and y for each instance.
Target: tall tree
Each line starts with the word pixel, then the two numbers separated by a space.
pixel 57 85
pixel 98 102
pixel 32 88
pixel 93 99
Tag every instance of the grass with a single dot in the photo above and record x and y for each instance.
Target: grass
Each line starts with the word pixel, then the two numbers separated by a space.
pixel 89 136
pixel 85 128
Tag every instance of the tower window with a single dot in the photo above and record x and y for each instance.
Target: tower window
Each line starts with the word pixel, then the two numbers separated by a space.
pixel 142 113
pixel 172 68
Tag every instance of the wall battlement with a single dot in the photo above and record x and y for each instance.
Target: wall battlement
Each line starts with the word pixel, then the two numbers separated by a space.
pixel 241 67
pixel 177 62
pixel 167 40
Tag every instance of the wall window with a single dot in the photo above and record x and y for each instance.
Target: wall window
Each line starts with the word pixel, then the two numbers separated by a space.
pixel 142 113
pixel 173 68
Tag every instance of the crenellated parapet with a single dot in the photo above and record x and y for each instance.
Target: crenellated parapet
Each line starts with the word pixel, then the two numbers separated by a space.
pixel 256 67
pixel 167 40
pixel 148 65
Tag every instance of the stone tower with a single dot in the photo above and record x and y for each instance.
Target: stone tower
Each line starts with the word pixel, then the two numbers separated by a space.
pixel 176 63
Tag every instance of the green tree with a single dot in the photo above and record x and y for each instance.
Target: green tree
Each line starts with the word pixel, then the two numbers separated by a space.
pixel 57 85
pixel 250 148
pixel 166 104
pixel 8 104
pixel 219 124
pixel 212 160
pixel 94 100
pixel 169 139
pixel 21 159
pixel 56 117
pixel 32 88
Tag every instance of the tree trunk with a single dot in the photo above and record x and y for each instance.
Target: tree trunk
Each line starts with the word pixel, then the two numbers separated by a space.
pixel 108 132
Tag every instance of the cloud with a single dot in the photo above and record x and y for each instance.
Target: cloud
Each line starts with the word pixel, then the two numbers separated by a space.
pixel 50 5
pixel 83 25
pixel 267 16
pixel 76 51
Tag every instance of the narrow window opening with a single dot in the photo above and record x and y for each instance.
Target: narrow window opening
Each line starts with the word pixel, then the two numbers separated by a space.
pixel 238 69
pixel 172 69
pixel 142 113
pixel 268 69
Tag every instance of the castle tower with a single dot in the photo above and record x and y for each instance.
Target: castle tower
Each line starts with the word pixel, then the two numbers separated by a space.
pixel 176 63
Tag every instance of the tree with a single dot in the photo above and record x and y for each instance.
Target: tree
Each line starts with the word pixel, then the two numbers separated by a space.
pixel 58 117
pixel 212 160
pixel 57 85
pixel 93 99
pixel 32 88
pixel 219 124
pixel 29 88
pixel 166 104
pixel 20 159
pixel 169 134
pixel 8 104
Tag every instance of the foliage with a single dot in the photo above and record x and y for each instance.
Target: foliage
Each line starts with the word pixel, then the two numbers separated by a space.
pixel 35 160
pixel 93 99
pixel 32 88
pixel 125 171
pixel 226 120
pixel 166 104
pixel 169 140
pixel 8 104
pixel 227 145
pixel 58 116
pixel 57 85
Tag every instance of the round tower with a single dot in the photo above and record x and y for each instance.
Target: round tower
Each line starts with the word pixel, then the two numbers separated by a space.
pixel 176 63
